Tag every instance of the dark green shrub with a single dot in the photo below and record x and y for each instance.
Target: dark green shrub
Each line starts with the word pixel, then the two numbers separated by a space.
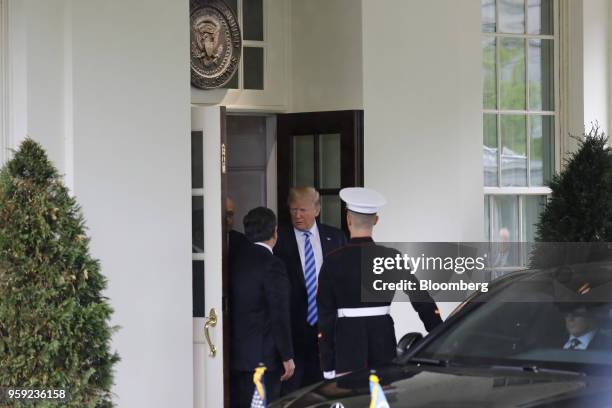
pixel 54 320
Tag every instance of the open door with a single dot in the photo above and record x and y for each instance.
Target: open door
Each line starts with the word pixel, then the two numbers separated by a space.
pixel 209 245
pixel 323 150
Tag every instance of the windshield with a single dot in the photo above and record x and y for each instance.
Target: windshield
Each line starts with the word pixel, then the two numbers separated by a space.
pixel 531 321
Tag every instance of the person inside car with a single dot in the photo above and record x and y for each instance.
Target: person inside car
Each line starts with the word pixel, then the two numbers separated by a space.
pixel 583 324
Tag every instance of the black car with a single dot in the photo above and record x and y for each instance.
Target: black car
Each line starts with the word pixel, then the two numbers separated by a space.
pixel 509 347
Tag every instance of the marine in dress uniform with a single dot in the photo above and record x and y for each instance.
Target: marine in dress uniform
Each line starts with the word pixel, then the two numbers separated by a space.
pixel 354 334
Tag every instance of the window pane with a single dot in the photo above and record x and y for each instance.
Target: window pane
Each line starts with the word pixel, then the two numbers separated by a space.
pixel 532 207
pixel 489 84
pixel 197 224
pixel 303 160
pixel 541 78
pixel 514 150
pixel 489 158
pixel 487 10
pixel 197 160
pixel 540 16
pixel 512 73
pixel 331 213
pixel 253 67
pixel 329 160
pixel 542 147
pixel 197 288
pixel 512 16
pixel 252 20
pixel 505 218
pixel 505 230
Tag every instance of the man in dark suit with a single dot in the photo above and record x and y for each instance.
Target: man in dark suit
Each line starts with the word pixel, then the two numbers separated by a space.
pixel 259 308
pixel 303 246
pixel 234 238
pixel 582 322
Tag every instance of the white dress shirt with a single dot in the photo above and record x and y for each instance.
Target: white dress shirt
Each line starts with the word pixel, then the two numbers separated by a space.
pixel 265 246
pixel 585 339
pixel 315 241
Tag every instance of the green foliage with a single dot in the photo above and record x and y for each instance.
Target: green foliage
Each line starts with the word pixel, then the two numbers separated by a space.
pixel 579 209
pixel 54 320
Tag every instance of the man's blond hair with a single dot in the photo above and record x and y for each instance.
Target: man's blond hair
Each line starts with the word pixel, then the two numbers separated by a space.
pixel 304 192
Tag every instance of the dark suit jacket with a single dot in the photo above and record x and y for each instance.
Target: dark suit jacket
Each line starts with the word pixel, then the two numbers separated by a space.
pixel 235 240
pixel 286 248
pixel 259 310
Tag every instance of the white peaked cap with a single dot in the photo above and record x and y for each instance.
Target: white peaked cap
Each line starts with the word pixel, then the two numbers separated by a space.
pixel 362 200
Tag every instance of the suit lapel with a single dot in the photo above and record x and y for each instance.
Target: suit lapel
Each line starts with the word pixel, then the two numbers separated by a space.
pixel 326 240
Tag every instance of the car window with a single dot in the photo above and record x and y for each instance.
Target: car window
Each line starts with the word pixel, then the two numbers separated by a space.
pixel 540 324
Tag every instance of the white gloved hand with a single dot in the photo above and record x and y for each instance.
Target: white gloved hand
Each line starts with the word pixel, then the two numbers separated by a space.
pixel 329 375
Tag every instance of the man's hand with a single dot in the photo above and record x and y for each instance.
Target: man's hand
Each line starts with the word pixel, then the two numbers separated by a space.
pixel 289 367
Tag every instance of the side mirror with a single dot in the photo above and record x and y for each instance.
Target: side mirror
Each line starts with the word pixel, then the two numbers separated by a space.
pixel 407 341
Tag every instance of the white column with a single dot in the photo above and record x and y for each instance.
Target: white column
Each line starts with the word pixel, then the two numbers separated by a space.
pixel 4 102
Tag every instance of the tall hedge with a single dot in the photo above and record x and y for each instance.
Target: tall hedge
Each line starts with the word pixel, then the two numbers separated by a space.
pixel 580 206
pixel 54 319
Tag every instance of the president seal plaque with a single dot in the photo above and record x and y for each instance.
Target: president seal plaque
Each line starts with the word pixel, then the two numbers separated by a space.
pixel 216 43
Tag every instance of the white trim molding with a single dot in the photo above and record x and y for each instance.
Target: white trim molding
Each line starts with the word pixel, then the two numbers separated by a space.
pixel 571 72
pixel 517 190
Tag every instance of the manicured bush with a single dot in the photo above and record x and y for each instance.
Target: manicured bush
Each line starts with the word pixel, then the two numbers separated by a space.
pixel 580 206
pixel 54 319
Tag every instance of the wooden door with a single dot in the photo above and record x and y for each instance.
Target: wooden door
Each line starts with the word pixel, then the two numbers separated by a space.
pixel 323 150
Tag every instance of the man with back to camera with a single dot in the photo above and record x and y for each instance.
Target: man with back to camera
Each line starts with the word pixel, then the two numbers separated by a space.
pixel 355 334
pixel 303 246
pixel 259 308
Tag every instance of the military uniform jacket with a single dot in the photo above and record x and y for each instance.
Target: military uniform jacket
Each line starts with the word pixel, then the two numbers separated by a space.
pixel 351 343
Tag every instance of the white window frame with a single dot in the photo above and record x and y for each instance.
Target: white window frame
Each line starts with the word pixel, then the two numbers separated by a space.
pixel 521 192
pixel 252 43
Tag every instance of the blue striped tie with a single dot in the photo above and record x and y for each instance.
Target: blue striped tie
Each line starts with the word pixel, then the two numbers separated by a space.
pixel 310 275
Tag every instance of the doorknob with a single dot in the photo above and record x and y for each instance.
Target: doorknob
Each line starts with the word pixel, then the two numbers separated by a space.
pixel 211 321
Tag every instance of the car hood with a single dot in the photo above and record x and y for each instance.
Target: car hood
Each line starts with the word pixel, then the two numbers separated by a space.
pixel 456 387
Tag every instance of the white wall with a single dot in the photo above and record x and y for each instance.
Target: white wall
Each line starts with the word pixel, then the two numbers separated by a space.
pixel 326 55
pixel 108 96
pixel 596 42
pixel 423 128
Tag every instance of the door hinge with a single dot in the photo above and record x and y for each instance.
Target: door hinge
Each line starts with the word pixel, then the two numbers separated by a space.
pixel 223 159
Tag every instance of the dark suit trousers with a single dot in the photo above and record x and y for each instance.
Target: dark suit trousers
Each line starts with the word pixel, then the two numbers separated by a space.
pixel 307 364
pixel 242 387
